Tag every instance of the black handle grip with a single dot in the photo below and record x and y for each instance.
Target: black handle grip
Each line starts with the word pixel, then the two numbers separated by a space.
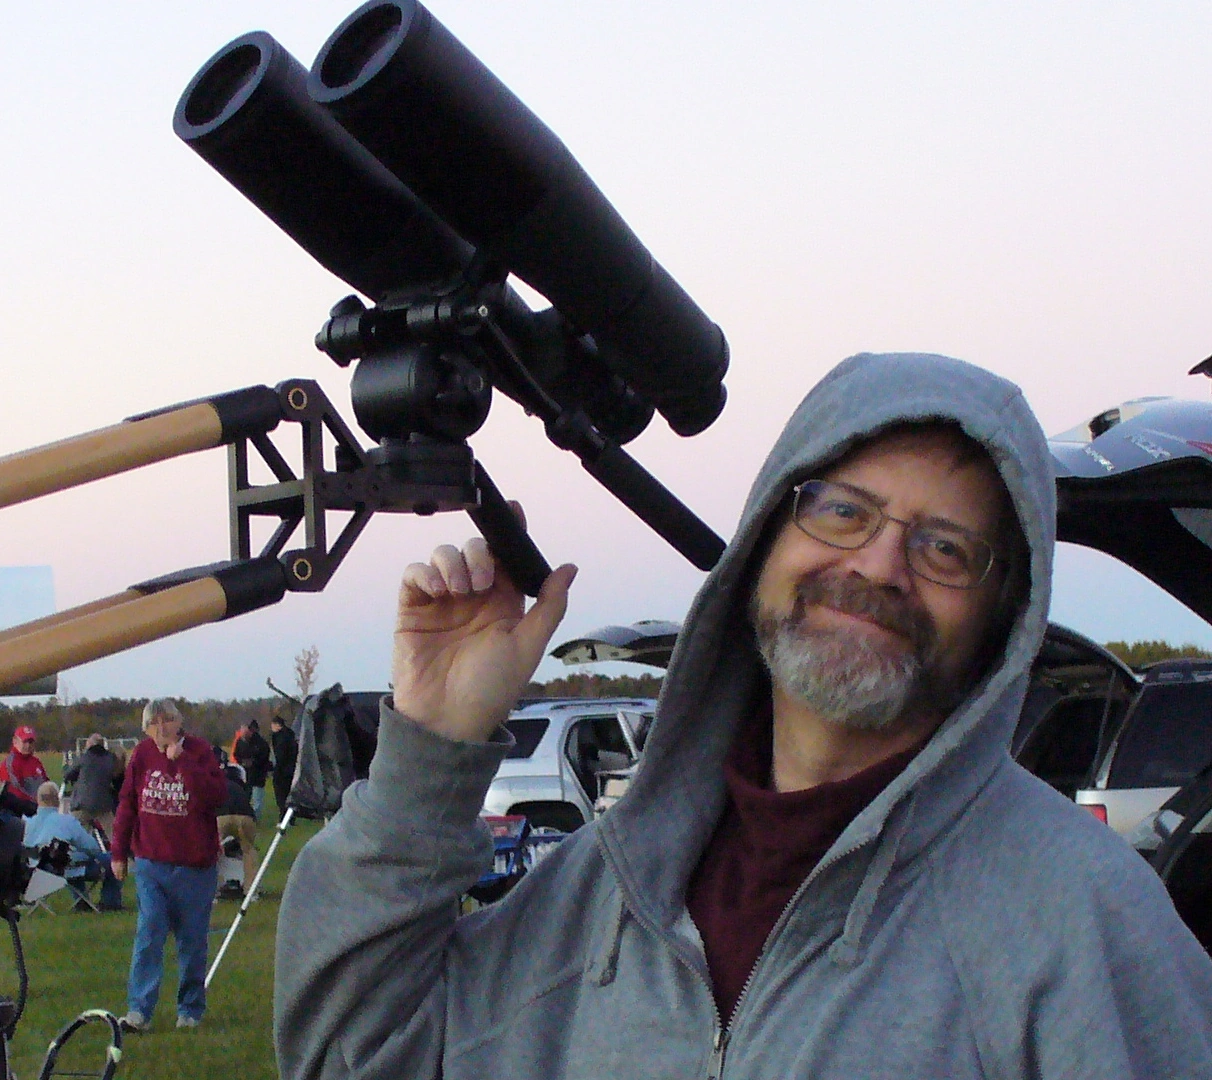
pixel 642 493
pixel 510 543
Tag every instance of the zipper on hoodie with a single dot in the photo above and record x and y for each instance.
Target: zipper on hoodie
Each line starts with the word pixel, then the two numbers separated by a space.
pixel 723 1032
pixel 719 1044
pixel 723 1037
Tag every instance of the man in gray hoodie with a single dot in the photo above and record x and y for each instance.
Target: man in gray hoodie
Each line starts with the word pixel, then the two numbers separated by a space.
pixel 828 865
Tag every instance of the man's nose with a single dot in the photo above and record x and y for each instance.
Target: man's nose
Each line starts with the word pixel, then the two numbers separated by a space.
pixel 884 559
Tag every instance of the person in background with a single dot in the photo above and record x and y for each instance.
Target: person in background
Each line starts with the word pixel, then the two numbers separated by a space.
pixel 241 731
pixel 92 779
pixel 121 757
pixel 21 769
pixel 252 753
pixel 236 818
pixel 89 862
pixel 286 753
pixel 166 819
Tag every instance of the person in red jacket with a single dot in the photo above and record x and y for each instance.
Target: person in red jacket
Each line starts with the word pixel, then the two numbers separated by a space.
pixel 166 819
pixel 21 769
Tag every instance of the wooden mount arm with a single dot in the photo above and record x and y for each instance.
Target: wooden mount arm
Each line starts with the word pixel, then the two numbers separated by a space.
pixel 104 627
pixel 143 440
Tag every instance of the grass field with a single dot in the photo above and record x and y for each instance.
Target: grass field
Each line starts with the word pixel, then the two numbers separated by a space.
pixel 80 961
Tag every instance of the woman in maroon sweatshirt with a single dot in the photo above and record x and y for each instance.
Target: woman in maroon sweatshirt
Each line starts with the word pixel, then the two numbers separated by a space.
pixel 166 819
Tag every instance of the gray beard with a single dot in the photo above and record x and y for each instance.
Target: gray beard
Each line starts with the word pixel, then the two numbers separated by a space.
pixel 843 678
pixel 847 679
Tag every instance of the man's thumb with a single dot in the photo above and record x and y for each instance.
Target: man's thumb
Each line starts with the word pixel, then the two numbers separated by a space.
pixel 540 622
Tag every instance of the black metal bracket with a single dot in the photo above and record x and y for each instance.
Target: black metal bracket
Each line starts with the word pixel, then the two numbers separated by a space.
pixel 414 476
pixel 359 485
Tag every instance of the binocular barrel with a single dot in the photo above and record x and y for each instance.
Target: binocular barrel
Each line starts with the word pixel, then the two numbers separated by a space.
pixel 443 124
pixel 248 114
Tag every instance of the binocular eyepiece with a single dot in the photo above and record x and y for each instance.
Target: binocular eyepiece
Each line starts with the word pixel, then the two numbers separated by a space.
pixel 405 167
pixel 248 113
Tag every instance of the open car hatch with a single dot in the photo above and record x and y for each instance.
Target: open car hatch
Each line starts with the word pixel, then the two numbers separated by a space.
pixel 649 641
pixel 1136 482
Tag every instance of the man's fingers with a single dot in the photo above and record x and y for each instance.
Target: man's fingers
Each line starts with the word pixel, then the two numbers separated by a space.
pixel 540 622
pixel 421 584
pixel 481 567
pixel 449 562
pixel 449 572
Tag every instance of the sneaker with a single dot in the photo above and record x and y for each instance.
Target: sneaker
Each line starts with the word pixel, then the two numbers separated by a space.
pixel 135 1021
pixel 188 1021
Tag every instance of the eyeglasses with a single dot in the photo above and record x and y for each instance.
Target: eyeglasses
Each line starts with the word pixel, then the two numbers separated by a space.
pixel 845 517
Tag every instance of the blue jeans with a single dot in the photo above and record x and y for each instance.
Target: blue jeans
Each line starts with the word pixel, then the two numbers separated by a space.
pixel 256 796
pixel 176 898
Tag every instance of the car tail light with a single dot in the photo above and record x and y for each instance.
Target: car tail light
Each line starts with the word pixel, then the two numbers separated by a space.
pixel 1098 810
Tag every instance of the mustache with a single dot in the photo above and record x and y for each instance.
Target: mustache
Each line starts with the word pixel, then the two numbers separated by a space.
pixel 856 596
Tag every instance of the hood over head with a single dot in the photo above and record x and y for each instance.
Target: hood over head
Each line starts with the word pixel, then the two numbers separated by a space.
pixel 715 671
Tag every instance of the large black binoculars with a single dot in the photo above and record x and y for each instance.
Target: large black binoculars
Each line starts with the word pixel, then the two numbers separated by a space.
pixel 407 169
pixel 404 166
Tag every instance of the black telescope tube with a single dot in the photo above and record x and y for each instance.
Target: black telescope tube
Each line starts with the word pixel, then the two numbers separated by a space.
pixel 411 93
pixel 248 113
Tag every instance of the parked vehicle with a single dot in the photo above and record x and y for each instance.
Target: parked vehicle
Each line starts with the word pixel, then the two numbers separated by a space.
pixel 1075 705
pixel 562 746
pixel 1164 742
pixel 649 641
pixel 1177 841
pixel 1135 482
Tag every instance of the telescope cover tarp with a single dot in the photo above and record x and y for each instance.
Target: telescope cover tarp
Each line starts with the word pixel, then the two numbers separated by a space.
pixel 325 766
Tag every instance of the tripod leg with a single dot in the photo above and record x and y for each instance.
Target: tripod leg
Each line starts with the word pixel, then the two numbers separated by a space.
pixel 252 891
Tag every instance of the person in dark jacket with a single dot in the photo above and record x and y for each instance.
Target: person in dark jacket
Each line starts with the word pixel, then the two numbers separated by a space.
pixel 286 753
pixel 827 865
pixel 92 778
pixel 166 819
pixel 252 754
pixel 236 818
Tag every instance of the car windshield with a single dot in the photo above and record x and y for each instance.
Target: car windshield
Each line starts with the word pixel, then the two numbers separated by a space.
pixel 1167 739
pixel 527 732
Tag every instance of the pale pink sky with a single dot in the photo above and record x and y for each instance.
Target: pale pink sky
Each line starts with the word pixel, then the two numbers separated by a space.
pixel 1025 186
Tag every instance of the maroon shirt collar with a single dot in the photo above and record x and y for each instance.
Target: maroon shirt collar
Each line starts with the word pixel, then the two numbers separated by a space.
pixel 801 820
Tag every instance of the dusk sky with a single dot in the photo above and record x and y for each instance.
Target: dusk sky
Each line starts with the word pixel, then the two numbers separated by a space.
pixel 1025 186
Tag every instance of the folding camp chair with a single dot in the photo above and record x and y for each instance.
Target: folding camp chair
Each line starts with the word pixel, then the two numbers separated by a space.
pixel 79 888
pixel 41 886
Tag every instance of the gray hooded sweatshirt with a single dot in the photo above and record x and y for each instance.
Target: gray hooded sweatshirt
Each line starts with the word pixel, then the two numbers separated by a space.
pixel 970 922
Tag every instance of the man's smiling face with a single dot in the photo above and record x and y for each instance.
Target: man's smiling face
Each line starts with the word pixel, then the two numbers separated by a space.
pixel 855 633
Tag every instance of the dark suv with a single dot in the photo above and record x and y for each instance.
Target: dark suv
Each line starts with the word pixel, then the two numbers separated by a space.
pixel 1076 703
pixel 1135 482
pixel 1165 740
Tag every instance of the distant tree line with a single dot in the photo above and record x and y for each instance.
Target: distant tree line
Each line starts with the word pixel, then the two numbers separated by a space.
pixel 597 686
pixel 59 724
pixel 1139 653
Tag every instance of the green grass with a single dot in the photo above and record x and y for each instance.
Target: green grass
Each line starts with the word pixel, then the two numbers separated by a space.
pixel 80 961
